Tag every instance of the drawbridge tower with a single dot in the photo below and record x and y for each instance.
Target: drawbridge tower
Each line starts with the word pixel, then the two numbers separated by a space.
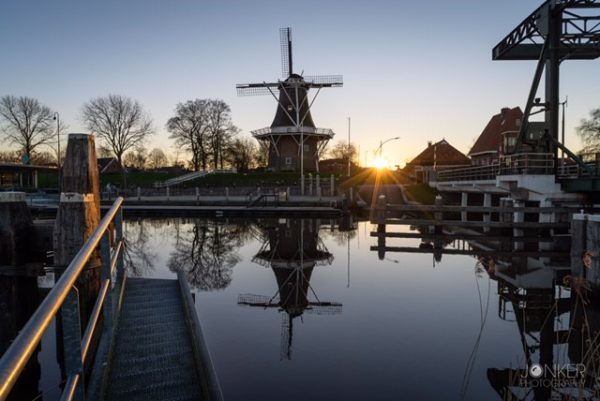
pixel 292 140
pixel 557 31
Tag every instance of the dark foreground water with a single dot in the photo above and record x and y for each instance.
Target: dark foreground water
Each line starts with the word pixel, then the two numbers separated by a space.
pixel 305 310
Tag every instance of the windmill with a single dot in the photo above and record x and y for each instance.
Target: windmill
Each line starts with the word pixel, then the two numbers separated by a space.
pixel 292 253
pixel 293 141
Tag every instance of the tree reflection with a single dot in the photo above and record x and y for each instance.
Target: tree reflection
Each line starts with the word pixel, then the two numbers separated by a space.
pixel 137 254
pixel 207 253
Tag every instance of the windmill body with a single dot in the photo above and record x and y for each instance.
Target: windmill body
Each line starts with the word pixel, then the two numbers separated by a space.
pixel 292 141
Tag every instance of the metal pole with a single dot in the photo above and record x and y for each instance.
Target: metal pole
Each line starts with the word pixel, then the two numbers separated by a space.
pixel 298 127
pixel 563 104
pixel 57 118
pixel 349 152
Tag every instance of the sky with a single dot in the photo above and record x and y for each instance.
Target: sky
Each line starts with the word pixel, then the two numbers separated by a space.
pixel 418 70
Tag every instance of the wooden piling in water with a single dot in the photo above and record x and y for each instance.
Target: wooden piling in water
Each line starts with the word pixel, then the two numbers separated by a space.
pixel 15 228
pixel 78 214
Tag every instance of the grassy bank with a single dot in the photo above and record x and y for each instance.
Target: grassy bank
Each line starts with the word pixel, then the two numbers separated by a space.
pixel 421 193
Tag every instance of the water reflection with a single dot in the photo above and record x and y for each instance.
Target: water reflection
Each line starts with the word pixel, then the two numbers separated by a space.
pixel 527 307
pixel 292 248
pixel 19 297
pixel 206 252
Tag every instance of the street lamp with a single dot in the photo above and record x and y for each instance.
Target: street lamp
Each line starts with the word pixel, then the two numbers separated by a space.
pixel 379 150
pixel 349 147
pixel 57 119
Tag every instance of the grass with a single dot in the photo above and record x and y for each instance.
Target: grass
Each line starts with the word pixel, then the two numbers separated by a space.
pixel 421 193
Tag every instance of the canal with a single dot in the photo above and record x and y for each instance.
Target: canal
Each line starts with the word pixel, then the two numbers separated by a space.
pixel 303 309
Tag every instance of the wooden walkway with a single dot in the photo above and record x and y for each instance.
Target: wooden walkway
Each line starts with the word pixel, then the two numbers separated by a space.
pixel 153 355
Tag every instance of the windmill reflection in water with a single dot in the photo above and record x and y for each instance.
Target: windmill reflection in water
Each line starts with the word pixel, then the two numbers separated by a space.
pixel 292 248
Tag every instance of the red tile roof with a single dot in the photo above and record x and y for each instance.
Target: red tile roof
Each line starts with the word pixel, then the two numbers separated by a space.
pixel 445 155
pixel 491 137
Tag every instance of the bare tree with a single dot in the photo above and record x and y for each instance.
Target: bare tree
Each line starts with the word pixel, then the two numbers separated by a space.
pixel 589 131
pixel 221 129
pixel 118 121
pixel 136 158
pixel 157 158
pixel 28 123
pixel 189 128
pixel 241 153
pixel 342 150
pixel 10 156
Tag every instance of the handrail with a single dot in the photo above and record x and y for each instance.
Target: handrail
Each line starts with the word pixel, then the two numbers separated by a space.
pixel 17 355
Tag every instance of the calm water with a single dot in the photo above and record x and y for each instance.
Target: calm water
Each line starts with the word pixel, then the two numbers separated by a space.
pixel 305 310
pixel 336 322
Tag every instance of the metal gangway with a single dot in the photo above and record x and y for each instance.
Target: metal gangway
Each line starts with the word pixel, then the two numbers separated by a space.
pixel 142 340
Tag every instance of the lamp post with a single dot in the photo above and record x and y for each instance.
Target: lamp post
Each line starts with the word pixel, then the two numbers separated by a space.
pixel 349 149
pixel 379 150
pixel 57 118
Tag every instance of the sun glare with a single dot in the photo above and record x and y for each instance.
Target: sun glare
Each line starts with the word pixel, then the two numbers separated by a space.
pixel 380 163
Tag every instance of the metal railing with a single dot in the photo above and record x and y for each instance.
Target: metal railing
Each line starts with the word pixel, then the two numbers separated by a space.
pixel 191 176
pixel 64 298
pixel 521 163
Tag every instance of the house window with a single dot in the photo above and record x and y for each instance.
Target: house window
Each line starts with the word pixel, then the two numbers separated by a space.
pixel 288 161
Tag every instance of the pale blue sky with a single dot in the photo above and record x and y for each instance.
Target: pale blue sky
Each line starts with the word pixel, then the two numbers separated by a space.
pixel 420 70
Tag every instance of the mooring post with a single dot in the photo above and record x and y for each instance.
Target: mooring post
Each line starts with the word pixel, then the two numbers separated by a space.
pixel 331 185
pixel 518 217
pixel 77 217
pixel 318 183
pixel 487 216
pixel 15 228
pixel 578 242
pixel 546 217
pixel 438 215
pixel 380 216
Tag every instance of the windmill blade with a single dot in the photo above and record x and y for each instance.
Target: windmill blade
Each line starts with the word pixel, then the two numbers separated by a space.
pixel 285 38
pixel 258 89
pixel 256 300
pixel 325 80
pixel 323 308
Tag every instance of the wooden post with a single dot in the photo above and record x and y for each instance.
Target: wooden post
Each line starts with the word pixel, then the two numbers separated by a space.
pixel 139 193
pixel 487 216
pixel 439 216
pixel 331 185
pixel 15 229
pixel 318 184
pixel 197 193
pixel 168 192
pixel 380 215
pixel 578 242
pixel 518 217
pixel 310 184
pixel 226 194
pixel 464 202
pixel 78 214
